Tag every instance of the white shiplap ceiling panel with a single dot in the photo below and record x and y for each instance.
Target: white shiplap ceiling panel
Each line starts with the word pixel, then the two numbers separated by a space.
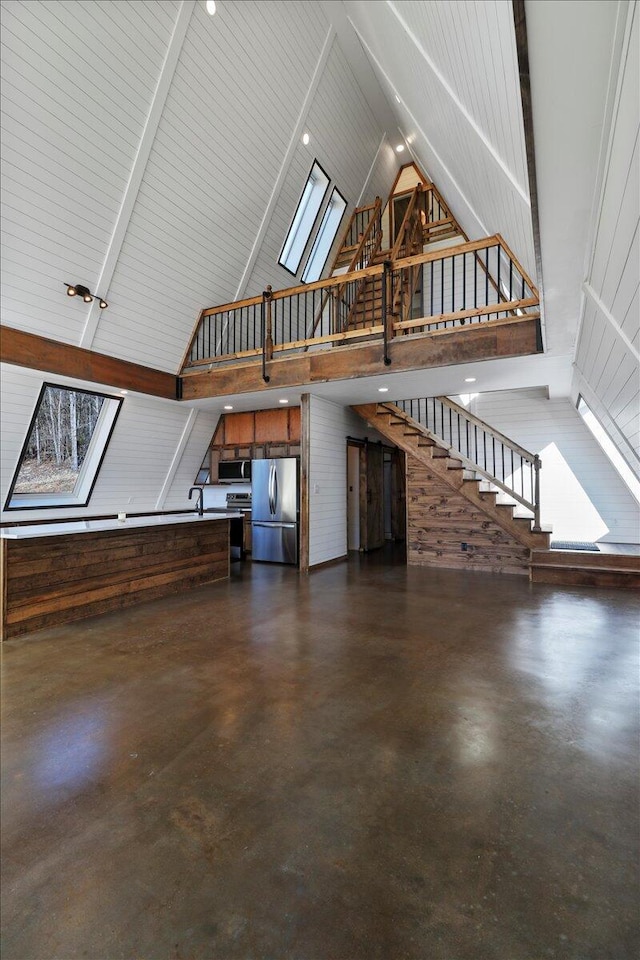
pixel 233 104
pixel 472 46
pixel 461 111
pixel 77 82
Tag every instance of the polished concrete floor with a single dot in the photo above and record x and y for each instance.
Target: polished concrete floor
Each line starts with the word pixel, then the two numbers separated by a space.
pixel 371 763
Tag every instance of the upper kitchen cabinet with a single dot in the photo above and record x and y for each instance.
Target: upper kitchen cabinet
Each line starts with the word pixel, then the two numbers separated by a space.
pixel 255 435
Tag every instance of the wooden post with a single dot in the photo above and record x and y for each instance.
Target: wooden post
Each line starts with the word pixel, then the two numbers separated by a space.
pixel 305 430
pixel 267 331
pixel 537 463
pixel 268 338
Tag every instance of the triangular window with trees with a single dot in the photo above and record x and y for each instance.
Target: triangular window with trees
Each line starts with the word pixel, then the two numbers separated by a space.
pixel 65 446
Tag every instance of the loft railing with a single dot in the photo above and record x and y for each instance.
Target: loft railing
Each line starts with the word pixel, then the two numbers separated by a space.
pixel 471 283
pixel 482 449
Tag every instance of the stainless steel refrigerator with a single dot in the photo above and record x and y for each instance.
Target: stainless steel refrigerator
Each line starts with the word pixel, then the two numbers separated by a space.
pixel 275 505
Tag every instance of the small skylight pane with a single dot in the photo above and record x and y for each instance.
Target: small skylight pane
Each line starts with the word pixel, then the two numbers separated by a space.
pixel 64 448
pixel 305 216
pixel 325 237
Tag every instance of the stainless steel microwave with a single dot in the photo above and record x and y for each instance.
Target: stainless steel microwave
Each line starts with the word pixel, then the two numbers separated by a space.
pixel 234 471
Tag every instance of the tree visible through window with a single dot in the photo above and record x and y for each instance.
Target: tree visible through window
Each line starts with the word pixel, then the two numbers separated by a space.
pixel 61 455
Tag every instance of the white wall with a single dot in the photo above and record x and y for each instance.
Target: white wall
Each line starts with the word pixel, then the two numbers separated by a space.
pixel 582 495
pixel 136 467
pixel 383 172
pixel 331 424
pixel 608 349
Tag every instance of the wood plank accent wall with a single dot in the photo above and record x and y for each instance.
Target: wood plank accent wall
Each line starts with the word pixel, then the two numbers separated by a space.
pixel 53 580
pixel 439 520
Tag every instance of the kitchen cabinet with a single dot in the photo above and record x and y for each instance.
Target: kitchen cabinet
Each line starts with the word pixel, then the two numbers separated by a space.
pixel 239 429
pixel 272 425
pixel 255 435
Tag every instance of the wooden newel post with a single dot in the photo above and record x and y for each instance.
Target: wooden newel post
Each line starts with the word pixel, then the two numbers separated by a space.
pixel 387 315
pixel 537 464
pixel 267 331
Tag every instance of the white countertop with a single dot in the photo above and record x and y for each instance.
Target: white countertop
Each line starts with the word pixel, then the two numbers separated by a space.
pixel 112 523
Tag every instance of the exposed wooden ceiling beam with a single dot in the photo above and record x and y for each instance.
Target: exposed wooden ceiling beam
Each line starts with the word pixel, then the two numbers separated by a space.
pixel 39 353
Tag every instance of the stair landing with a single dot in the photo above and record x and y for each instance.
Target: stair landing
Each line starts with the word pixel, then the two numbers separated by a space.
pixel 614 565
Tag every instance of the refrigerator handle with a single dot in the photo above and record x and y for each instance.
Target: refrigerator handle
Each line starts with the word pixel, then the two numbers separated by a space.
pixel 275 489
pixel 270 490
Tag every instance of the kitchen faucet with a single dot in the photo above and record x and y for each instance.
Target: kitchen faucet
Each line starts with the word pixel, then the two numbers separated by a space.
pixel 199 499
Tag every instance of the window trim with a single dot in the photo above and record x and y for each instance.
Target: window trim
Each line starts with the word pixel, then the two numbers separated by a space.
pixel 80 496
pixel 613 455
pixel 294 273
pixel 319 233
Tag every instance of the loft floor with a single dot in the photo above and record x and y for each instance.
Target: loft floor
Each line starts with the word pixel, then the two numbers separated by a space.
pixel 371 762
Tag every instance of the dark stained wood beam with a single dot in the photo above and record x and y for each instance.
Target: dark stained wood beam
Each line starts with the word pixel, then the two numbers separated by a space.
pixel 509 337
pixel 522 49
pixel 39 353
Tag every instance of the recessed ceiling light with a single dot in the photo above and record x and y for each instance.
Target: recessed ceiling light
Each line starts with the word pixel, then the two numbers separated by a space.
pixel 283 400
pixel 211 7
pixel 227 406
pixel 400 148
pixel 124 392
pixel 383 389
pixel 469 379
pixel 305 138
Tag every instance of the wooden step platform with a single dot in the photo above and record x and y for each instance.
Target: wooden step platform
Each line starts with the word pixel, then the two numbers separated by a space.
pixel 581 568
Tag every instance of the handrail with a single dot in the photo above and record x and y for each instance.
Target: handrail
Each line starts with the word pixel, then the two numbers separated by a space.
pixel 373 222
pixel 356 220
pixel 405 222
pixel 439 290
pixel 448 402
pixel 508 466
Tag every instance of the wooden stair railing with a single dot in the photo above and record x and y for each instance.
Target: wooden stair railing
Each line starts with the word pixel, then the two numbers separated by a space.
pixel 449 466
pixel 353 239
pixel 363 253
pixel 481 448
pixel 408 242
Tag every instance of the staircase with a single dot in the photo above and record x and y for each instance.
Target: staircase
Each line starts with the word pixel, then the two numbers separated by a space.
pixel 443 479
pixel 408 434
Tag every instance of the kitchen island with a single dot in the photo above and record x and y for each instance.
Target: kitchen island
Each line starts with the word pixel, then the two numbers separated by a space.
pixel 53 573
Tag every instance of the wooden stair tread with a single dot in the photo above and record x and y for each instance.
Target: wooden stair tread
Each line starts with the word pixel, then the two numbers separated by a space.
pixel 578 566
pixel 581 558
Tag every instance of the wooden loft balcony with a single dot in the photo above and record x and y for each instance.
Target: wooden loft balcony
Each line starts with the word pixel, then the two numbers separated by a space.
pixel 471 301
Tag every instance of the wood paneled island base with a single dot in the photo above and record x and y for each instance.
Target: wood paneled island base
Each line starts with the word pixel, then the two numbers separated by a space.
pixel 53 579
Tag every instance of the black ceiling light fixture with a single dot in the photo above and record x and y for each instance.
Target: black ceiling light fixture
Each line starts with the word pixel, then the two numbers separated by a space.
pixel 77 290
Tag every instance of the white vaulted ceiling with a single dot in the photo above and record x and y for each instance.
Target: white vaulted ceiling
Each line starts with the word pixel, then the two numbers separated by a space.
pixel 87 88
pixel 454 70
pixel 145 145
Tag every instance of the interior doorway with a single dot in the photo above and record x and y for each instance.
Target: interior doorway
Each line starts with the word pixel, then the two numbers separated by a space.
pixel 376 496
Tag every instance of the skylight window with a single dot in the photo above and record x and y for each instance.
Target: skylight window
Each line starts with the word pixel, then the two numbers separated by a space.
pixel 325 237
pixel 305 216
pixel 65 445
pixel 609 447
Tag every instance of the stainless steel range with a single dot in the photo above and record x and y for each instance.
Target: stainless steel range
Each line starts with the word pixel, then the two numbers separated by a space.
pixel 239 501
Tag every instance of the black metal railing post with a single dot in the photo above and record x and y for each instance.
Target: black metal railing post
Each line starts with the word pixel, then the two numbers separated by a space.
pixel 267 333
pixel 386 273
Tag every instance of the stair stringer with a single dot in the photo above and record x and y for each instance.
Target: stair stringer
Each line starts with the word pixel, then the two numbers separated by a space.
pixel 416 440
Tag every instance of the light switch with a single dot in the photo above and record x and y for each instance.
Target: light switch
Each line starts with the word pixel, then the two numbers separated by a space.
pixel 316 488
